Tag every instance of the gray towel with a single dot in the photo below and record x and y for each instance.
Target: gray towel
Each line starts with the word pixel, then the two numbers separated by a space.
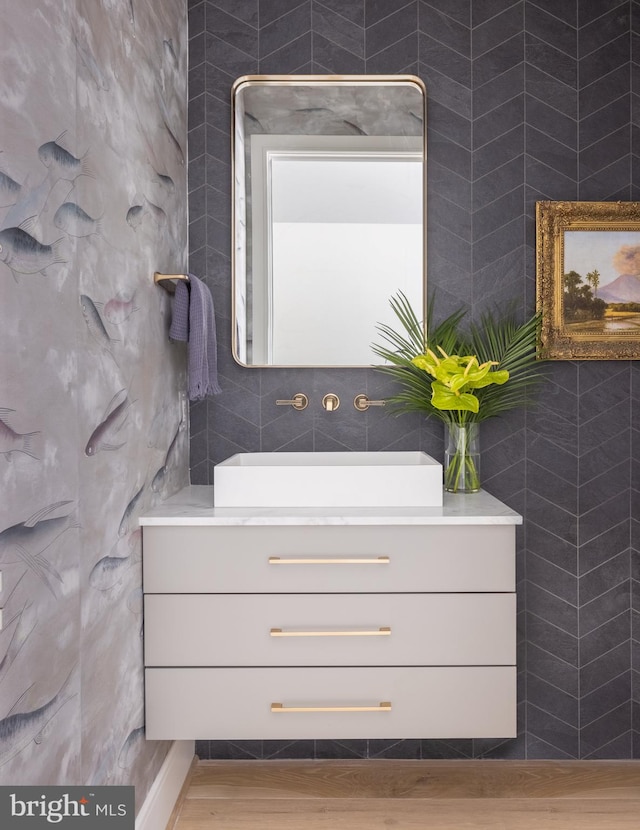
pixel 193 321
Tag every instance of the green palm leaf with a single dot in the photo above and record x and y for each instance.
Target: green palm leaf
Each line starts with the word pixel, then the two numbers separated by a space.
pixel 498 337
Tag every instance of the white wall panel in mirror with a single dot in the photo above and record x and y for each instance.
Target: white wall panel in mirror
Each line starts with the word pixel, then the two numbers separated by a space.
pixel 328 214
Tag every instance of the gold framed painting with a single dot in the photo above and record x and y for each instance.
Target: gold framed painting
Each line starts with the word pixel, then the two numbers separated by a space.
pixel 588 280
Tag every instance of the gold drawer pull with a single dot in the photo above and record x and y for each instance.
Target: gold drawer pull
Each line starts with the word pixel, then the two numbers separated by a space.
pixel 379 560
pixel 383 631
pixel 385 706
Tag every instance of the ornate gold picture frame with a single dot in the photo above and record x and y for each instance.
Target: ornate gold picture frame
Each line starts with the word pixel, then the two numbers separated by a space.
pixel 588 280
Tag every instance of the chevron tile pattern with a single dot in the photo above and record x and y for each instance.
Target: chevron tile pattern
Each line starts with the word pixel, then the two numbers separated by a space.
pixel 578 473
pixel 635 405
pixel 445 65
pixel 527 100
pixel 603 556
pixel 604 590
pixel 635 556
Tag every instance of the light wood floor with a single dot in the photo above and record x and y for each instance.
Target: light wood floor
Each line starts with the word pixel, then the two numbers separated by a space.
pixel 404 795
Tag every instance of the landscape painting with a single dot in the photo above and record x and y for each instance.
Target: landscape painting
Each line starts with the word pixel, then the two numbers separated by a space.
pixel 601 281
pixel 588 279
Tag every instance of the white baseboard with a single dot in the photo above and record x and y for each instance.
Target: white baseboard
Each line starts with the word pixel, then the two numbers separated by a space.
pixel 161 798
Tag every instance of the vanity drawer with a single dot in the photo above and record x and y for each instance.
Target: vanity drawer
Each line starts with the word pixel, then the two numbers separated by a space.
pixel 330 630
pixel 236 704
pixel 299 559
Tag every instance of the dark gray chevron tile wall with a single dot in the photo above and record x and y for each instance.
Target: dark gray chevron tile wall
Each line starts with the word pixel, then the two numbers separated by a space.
pixel 526 101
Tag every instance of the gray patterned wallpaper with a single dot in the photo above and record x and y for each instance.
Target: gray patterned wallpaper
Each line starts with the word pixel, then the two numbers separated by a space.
pixel 92 201
pixel 528 100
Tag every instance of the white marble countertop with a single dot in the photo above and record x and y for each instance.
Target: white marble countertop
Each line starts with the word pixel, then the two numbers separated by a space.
pixel 194 506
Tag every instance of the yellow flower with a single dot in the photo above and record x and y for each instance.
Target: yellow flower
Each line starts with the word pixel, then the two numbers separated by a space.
pixel 455 376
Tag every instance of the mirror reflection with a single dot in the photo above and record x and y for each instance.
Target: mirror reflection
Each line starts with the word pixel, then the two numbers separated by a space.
pixel 328 214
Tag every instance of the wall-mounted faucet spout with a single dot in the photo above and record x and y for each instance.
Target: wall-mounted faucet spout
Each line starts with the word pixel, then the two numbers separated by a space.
pixel 331 402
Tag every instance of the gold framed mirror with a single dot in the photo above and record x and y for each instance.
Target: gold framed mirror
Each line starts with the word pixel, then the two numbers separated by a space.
pixel 328 214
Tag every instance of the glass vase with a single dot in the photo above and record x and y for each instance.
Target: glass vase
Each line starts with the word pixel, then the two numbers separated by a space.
pixel 462 458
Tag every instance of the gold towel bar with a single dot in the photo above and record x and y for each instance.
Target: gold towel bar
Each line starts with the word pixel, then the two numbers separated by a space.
pixel 165 280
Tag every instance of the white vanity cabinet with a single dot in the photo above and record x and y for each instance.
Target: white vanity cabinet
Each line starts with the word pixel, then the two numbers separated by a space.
pixel 309 624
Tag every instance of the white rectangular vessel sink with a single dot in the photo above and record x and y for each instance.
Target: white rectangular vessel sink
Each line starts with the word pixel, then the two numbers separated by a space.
pixel 328 479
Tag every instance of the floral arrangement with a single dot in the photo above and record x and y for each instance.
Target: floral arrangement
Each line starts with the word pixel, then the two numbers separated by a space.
pixel 455 376
pixel 460 376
